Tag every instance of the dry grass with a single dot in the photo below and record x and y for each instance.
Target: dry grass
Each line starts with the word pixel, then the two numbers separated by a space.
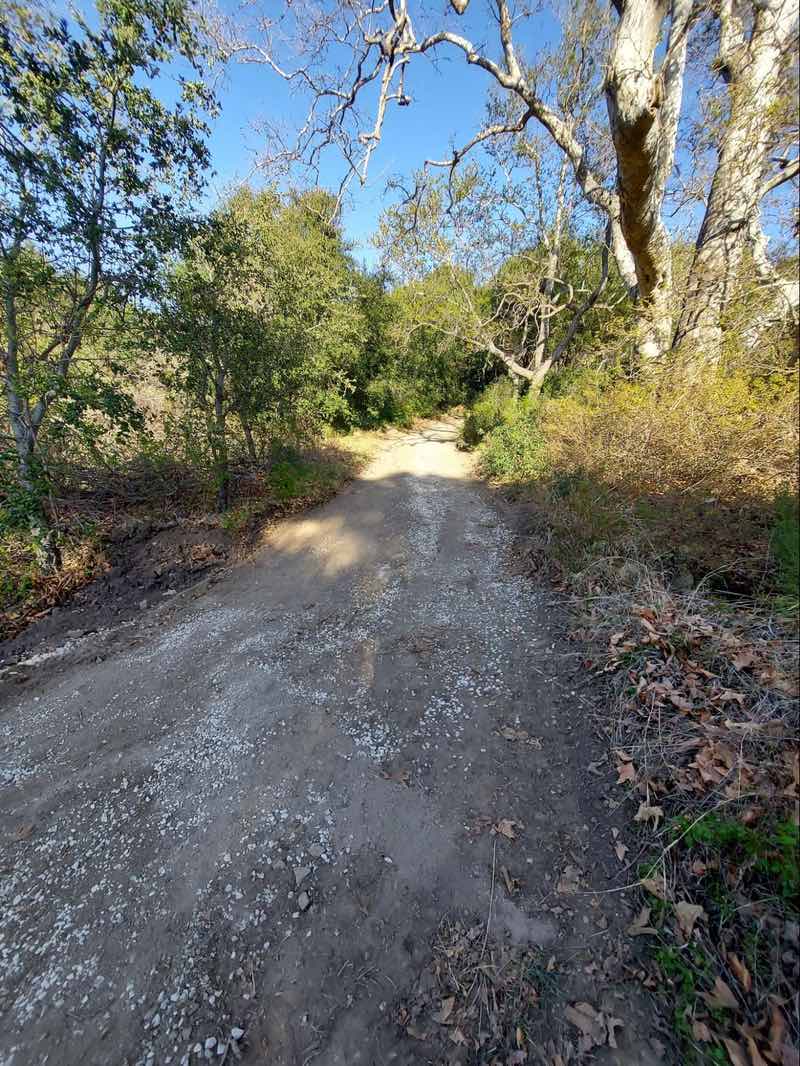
pixel 718 435
pixel 478 995
pixel 646 501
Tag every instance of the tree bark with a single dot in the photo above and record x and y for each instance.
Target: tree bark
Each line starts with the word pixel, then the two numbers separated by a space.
pixel 753 66
pixel 643 107
pixel 219 442
pixel 250 443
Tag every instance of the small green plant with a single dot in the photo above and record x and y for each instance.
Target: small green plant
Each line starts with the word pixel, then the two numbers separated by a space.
pixel 770 850
pixel 516 451
pixel 686 970
pixel 785 544
pixel 238 518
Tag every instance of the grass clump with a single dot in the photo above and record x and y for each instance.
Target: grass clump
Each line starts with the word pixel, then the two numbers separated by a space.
pixel 767 853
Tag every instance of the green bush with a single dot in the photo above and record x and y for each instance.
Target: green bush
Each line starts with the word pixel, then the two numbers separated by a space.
pixel 389 400
pixel 517 450
pixel 495 405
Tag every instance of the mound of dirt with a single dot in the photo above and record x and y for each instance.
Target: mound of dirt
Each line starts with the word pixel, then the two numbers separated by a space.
pixel 146 561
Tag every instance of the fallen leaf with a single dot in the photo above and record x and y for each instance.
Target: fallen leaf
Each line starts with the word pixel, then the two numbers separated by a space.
pixel 646 813
pixel 621 851
pixel 777 1032
pixel 721 996
pixel 612 1025
pixel 514 733
pixel 400 777
pixel 445 1010
pixel 512 884
pixel 655 886
pixel 756 1058
pixel 458 1037
pixel 23 832
pixel 701 1032
pixel 680 702
pixel 639 926
pixel 688 914
pixel 744 658
pixel 590 1022
pixel 740 971
pixel 626 772
pixel 736 1052
pixel 417 1033
pixel 505 827
pixel 569 881
pixel 729 696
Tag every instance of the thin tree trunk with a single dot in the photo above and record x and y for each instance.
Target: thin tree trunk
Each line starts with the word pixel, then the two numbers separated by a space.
pixel 552 267
pixel 25 432
pixel 753 67
pixel 220 442
pixel 252 451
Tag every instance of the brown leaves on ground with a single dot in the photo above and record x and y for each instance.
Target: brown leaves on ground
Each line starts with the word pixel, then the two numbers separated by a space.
pixel 477 995
pixel 570 881
pixel 596 1029
pixel 640 926
pixel 399 777
pixel 687 914
pixel 716 692
pixel 706 728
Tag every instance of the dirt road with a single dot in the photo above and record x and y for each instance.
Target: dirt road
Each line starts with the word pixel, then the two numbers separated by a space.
pixel 232 829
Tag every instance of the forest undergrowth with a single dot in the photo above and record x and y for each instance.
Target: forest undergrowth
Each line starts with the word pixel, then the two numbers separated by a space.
pixel 671 528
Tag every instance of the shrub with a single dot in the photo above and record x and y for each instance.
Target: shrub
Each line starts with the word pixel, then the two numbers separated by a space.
pixel 682 470
pixel 389 400
pixel 718 435
pixel 517 449
pixel 495 405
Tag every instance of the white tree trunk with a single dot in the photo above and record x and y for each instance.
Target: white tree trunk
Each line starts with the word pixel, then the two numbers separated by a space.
pixel 643 107
pixel 753 65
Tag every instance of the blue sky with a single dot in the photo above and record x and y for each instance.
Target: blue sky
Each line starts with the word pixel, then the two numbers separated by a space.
pixel 449 99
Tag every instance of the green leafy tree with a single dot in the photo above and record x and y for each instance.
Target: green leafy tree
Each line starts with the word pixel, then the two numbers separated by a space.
pixel 95 172
pixel 263 325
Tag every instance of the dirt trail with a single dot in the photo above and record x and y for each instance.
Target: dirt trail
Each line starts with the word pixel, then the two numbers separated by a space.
pixel 164 789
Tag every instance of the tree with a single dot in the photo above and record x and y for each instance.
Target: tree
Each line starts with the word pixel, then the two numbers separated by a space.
pixel 213 341
pixel 94 175
pixel 643 85
pixel 263 322
pixel 496 270
pixel 755 48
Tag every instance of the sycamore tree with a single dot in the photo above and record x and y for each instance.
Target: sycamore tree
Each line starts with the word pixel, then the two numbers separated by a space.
pixel 498 269
pixel 95 175
pixel 356 62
